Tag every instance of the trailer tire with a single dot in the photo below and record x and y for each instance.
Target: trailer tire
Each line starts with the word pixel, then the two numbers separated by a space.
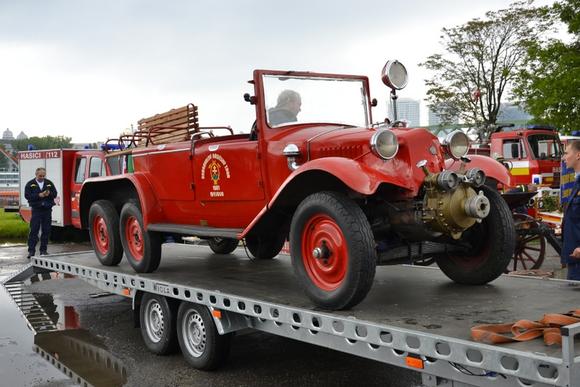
pixel 201 344
pixel 492 241
pixel 222 245
pixel 104 233
pixel 142 248
pixel 158 316
pixel 333 250
pixel 265 247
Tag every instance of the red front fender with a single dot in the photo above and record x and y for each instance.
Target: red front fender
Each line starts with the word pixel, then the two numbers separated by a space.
pixel 353 174
pixel 492 168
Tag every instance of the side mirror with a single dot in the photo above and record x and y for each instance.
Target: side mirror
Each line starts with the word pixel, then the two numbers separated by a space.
pixel 250 99
pixel 94 174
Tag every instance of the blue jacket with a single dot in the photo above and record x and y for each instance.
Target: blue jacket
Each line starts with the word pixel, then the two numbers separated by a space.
pixel 31 191
pixel 571 225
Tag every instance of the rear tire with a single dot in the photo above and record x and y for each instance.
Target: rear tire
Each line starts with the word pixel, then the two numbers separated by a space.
pixel 104 233
pixel 158 317
pixel 492 241
pixel 201 344
pixel 333 250
pixel 142 248
pixel 222 245
pixel 265 246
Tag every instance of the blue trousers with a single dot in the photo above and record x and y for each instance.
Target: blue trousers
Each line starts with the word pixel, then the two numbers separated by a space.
pixel 40 221
pixel 574 271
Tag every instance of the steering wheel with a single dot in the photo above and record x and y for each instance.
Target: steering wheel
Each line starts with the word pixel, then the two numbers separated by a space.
pixel 254 132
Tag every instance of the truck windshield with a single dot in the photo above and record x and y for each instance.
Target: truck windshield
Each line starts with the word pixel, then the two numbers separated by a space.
pixel 299 100
pixel 545 146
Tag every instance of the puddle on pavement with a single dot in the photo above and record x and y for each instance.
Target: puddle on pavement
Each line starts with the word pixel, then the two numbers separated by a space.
pixel 59 349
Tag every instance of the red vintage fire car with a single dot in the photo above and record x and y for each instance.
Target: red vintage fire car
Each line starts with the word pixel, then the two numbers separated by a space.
pixel 348 194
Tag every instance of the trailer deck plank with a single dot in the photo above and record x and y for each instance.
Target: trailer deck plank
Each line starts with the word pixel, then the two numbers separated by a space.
pixel 410 297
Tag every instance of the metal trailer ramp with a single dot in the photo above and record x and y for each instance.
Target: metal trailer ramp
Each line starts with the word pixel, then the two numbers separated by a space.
pixel 413 317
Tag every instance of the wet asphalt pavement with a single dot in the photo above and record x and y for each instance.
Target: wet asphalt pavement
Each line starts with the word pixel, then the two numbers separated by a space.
pixel 90 338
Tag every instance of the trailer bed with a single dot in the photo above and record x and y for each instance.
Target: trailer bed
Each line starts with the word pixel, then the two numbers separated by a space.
pixel 410 312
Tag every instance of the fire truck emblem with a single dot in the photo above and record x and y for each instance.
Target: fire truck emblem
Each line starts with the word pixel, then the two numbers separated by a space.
pixel 214 170
pixel 217 167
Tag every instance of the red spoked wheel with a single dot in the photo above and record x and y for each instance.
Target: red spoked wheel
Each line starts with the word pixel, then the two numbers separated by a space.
pixel 142 248
pixel 333 250
pixel 134 237
pixel 100 234
pixel 104 232
pixel 324 252
pixel 530 244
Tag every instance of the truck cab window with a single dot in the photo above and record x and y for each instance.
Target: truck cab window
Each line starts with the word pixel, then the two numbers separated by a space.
pixel 80 169
pixel 95 167
pixel 114 165
pixel 513 149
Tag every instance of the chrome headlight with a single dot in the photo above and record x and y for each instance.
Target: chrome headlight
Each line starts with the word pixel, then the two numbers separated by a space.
pixel 456 144
pixel 384 143
pixel 394 75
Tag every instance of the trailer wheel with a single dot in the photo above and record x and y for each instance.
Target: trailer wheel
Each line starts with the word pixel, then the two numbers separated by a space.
pixel 104 233
pixel 158 324
pixel 222 245
pixel 265 247
pixel 491 244
pixel 201 344
pixel 333 250
pixel 142 248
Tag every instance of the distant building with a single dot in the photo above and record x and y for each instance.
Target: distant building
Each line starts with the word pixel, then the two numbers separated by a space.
pixel 22 136
pixel 7 135
pixel 407 109
pixel 435 120
pixel 509 112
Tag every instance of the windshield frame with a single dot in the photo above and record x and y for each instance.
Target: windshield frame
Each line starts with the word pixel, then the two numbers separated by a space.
pixel 261 116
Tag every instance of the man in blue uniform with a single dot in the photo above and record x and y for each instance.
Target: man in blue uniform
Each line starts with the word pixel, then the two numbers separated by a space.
pixel 40 193
pixel 571 222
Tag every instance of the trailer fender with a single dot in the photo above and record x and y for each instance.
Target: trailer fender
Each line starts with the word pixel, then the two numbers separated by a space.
pixel 325 174
pixel 493 169
pixel 120 191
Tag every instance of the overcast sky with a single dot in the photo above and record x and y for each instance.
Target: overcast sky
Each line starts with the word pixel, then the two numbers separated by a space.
pixel 89 69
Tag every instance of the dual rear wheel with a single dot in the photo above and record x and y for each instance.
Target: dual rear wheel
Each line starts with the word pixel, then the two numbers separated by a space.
pixel 167 325
pixel 112 234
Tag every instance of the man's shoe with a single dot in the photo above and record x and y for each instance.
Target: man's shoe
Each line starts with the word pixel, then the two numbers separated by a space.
pixel 29 255
pixel 44 253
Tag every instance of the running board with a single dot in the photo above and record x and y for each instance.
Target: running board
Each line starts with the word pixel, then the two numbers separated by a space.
pixel 199 231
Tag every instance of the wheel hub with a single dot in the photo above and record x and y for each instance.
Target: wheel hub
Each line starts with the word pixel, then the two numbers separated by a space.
pixel 194 334
pixel 154 324
pixel 324 252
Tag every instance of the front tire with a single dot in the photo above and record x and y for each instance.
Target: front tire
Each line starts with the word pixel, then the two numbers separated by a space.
pixel 222 245
pixel 158 324
pixel 104 233
pixel 492 246
pixel 201 344
pixel 333 250
pixel 142 248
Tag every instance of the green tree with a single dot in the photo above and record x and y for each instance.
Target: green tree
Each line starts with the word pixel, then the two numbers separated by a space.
pixel 481 60
pixel 548 87
pixel 45 142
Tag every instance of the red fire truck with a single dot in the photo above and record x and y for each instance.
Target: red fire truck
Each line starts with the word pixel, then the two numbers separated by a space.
pixel 347 194
pixel 533 153
pixel 67 169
